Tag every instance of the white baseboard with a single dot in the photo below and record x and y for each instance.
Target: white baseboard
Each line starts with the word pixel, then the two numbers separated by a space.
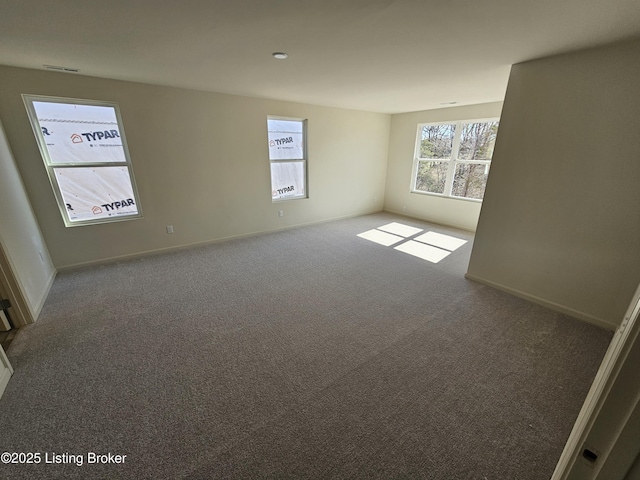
pixel 546 303
pixel 157 251
pixel 37 308
pixel 427 220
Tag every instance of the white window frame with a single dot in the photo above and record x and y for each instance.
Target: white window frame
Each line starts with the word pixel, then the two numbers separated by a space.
pixel 50 165
pixel 452 162
pixel 303 160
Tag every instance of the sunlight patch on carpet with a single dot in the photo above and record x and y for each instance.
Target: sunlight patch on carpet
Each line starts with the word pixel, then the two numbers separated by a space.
pixel 400 229
pixel 383 238
pixel 429 246
pixel 422 250
pixel 440 240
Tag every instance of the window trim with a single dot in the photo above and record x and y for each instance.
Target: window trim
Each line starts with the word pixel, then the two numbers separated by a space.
pixel 50 166
pixel 304 160
pixel 448 186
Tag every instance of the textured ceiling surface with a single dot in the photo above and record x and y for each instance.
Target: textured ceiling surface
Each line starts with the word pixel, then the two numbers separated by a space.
pixel 375 55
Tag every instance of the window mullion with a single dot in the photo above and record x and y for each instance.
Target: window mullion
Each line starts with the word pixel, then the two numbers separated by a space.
pixel 87 165
pixel 448 186
pixel 482 162
pixel 414 173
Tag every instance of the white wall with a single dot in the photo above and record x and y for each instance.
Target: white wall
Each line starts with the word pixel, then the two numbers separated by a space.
pixel 609 421
pixel 398 199
pixel 20 236
pixel 201 164
pixel 560 221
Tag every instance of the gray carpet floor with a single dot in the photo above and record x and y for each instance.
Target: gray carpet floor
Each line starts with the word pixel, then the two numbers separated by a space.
pixel 308 353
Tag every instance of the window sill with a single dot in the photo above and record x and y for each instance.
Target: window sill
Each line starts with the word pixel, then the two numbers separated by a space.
pixel 280 200
pixel 439 195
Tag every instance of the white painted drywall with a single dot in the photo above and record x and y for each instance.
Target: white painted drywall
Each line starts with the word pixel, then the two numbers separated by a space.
pixel 560 221
pixel 201 164
pixel 20 235
pixel 398 198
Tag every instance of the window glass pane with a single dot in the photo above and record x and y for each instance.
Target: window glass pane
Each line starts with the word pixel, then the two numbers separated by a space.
pixel 286 140
pixel 92 193
pixel 470 180
pixel 437 141
pixel 477 141
pixel 80 133
pixel 287 180
pixel 431 176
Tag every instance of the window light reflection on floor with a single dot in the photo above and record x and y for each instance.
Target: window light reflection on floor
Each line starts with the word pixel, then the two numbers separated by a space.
pixel 440 240
pixel 430 246
pixel 400 229
pixel 423 251
pixel 383 238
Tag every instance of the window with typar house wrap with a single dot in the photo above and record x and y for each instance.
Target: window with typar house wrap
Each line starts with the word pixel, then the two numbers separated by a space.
pixel 288 157
pixel 85 153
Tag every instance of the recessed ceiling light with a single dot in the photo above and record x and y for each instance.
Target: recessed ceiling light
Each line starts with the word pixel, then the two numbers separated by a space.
pixel 279 55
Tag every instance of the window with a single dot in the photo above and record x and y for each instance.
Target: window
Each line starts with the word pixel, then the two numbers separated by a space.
pixel 85 153
pixel 288 158
pixel 452 159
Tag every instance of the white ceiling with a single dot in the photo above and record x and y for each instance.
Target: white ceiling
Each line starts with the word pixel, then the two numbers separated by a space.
pixel 377 55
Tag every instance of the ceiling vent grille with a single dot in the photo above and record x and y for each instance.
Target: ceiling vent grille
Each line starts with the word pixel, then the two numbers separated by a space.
pixel 61 69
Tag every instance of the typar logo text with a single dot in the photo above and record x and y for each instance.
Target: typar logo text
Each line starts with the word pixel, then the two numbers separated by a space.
pixel 127 202
pixel 117 205
pixel 280 141
pixel 285 190
pixel 94 136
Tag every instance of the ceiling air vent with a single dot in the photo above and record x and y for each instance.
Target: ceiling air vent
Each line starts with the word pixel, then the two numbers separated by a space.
pixel 61 69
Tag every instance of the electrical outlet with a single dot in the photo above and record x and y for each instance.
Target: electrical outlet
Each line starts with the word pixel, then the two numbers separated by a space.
pixel 281 213
pixel 169 228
